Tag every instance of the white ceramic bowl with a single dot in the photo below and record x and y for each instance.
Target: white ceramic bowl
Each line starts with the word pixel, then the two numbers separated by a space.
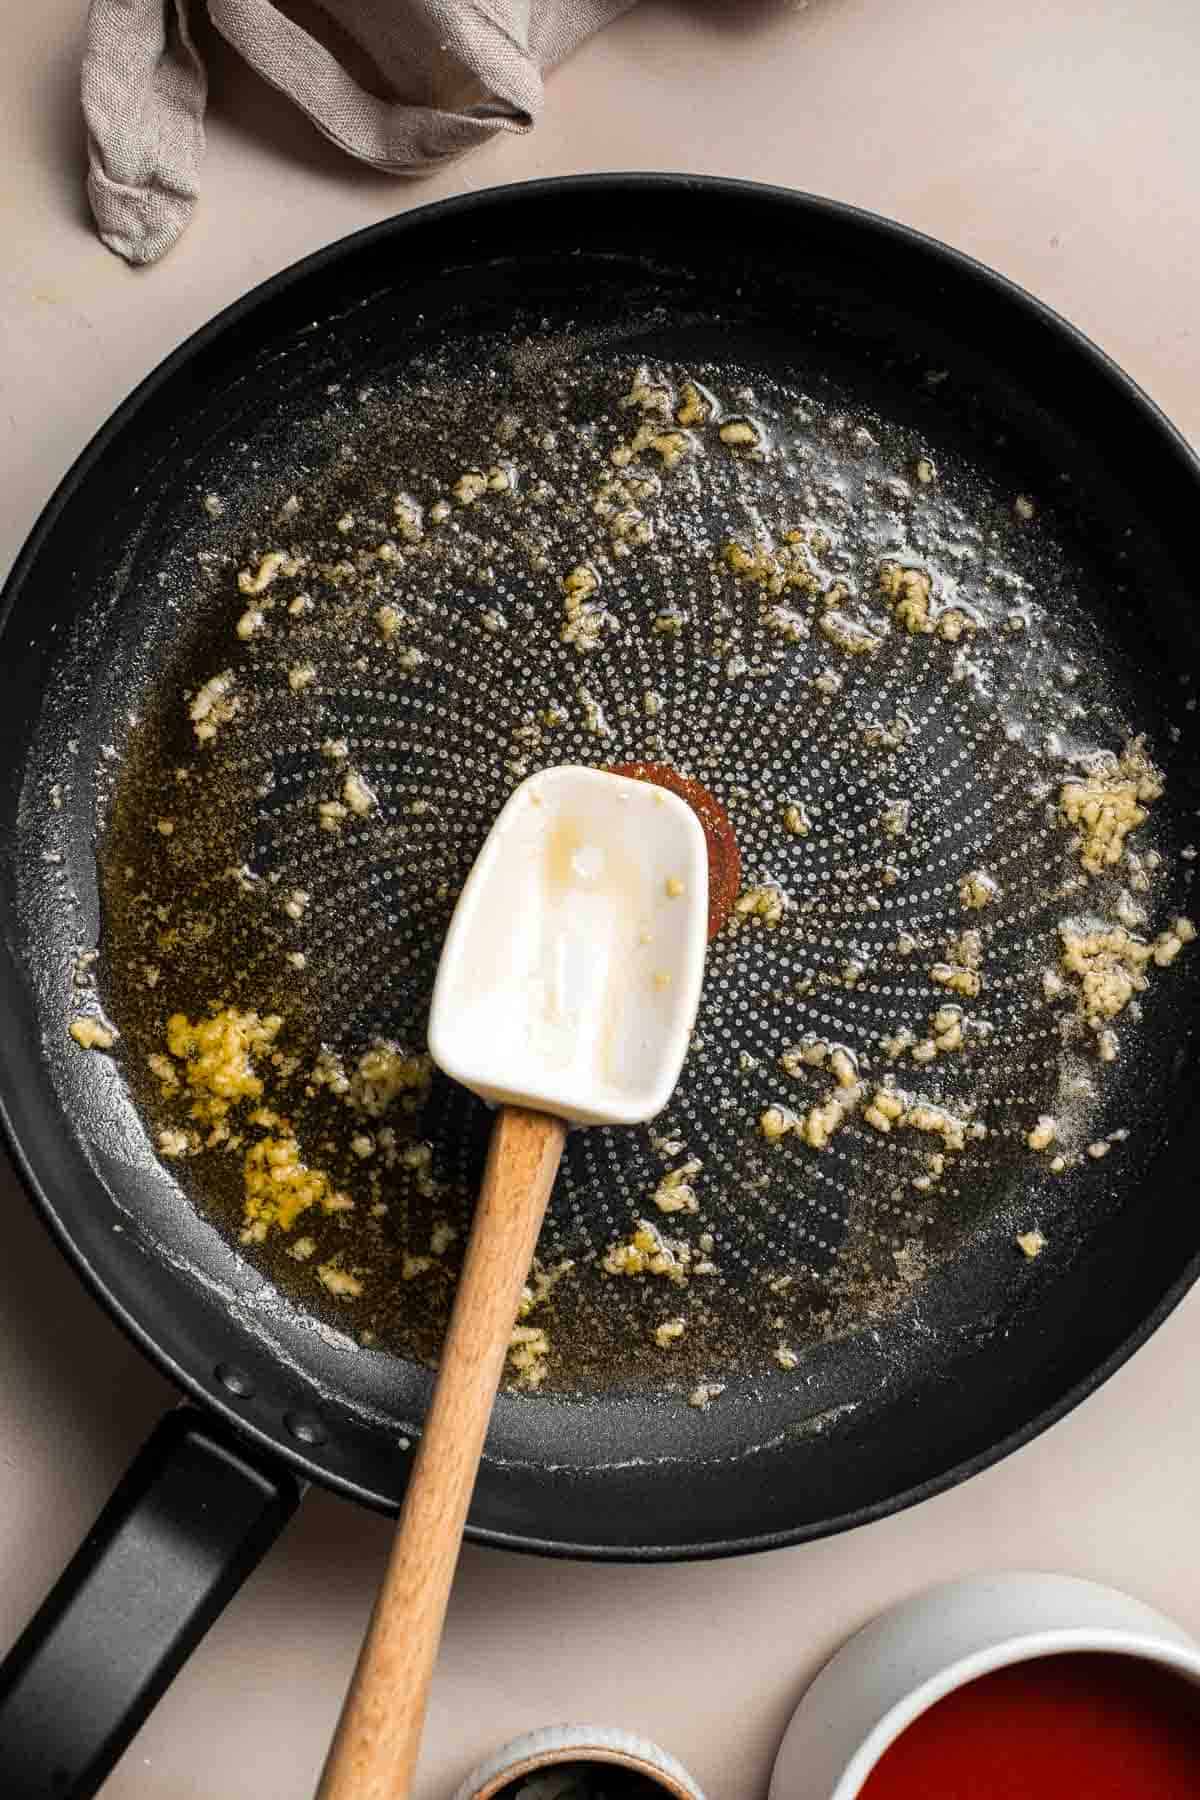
pixel 902 1663
pixel 559 1744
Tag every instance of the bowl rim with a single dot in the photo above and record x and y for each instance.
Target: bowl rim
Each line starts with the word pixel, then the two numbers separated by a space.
pixel 556 1746
pixel 1031 1646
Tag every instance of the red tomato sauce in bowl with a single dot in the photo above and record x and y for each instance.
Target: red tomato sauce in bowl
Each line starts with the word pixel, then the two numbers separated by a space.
pixel 1086 1726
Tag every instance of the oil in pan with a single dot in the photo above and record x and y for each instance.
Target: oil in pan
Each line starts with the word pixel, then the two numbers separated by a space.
pixel 925 1004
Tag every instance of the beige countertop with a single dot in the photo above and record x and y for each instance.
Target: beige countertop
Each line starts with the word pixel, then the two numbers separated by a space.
pixel 1059 142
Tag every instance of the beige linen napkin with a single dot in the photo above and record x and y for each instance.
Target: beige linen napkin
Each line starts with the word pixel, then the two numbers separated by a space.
pixel 401 84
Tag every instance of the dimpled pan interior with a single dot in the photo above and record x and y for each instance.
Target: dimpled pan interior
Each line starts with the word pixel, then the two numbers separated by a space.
pixel 783 527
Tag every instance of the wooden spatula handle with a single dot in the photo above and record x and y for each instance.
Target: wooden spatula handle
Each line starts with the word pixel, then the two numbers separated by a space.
pixel 374 1751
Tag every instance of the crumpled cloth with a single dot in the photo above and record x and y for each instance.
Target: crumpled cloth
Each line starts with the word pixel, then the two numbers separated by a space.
pixel 401 84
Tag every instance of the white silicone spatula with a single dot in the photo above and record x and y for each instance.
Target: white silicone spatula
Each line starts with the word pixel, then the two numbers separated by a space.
pixel 566 993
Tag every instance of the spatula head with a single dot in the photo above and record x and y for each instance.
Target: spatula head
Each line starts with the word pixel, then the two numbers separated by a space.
pixel 571 971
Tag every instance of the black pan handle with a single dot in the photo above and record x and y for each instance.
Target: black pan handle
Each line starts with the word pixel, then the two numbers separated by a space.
pixel 186 1525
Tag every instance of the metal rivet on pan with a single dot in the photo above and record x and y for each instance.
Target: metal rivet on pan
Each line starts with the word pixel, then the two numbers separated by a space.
pixel 235 1380
pixel 305 1429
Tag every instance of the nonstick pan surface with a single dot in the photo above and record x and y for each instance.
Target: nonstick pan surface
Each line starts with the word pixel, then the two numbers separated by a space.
pixel 925 1343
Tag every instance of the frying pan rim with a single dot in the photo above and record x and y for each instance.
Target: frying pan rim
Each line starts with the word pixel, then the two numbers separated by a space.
pixel 462 207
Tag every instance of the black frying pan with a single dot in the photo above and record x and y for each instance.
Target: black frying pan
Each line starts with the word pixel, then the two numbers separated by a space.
pixel 901 1405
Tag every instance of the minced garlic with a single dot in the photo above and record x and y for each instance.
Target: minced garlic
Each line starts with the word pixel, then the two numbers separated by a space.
pixel 1168 944
pixel 528 1353
pixel 890 1107
pixel 775 568
pixel 890 736
pixel 819 1124
pixel 977 890
pixel 965 981
pixel 895 817
pixel 648 395
pixel 1108 803
pixel 740 434
pixel 213 706
pixel 594 718
pixel 849 634
pixel 895 1043
pixel 961 972
pixel 766 901
pixel 647 1252
pixel 469 487
pixel 360 798
pixel 385 1074
pixel 276 562
pixel 816 1126
pixel 279 1186
pixel 776 1122
pixel 417 1158
pixel 668 1334
pixel 671 446
pixel 947 1031
pixel 338 1281
pixel 90 1034
pixel 1031 1243
pixel 818 1053
pixel 409 518
pixel 1043 1134
pixel 1109 966
pixel 675 1192
pixel 786 623
pixel 539 1287
pixel 442 1235
pixel 693 409
pixel 908 592
pixel 216 1053
pixel 584 618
